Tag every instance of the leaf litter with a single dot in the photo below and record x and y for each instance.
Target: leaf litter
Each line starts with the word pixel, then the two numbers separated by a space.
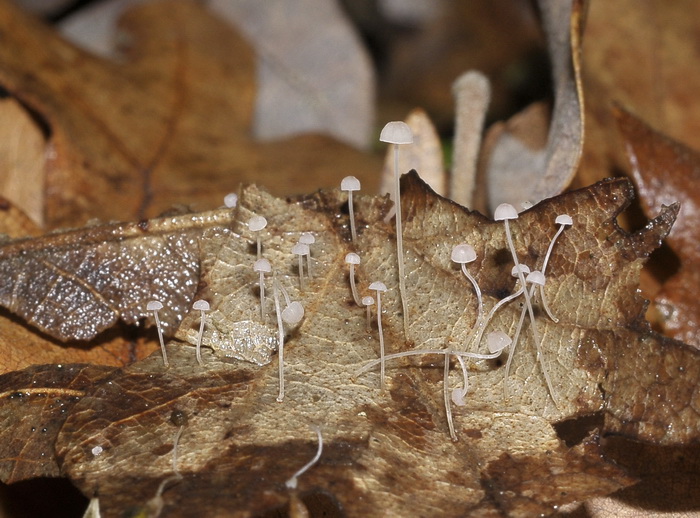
pixel 240 444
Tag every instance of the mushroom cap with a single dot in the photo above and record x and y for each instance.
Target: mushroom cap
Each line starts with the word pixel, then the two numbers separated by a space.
pixel 497 341
pixel 262 265
pixel 300 249
pixel 367 300
pixel 231 200
pixel 154 305
pixel 350 183
pixel 463 254
pixel 293 313
pixel 257 223
pixel 564 219
pixel 536 277
pixel 352 258
pixel 505 211
pixel 377 286
pixel 520 267
pixel 307 238
pixel 201 305
pixel 396 132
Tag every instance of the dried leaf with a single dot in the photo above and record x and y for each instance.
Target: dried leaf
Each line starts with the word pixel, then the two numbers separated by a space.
pixel 551 170
pixel 666 171
pixel 641 56
pixel 508 458
pixel 151 129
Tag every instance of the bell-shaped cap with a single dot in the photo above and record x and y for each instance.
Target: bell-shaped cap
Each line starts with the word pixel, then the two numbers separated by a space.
pixel 231 200
pixel 396 132
pixel 262 265
pixel 154 305
pixel 505 211
pixel 300 249
pixel 350 183
pixel 377 286
pixel 497 341
pixel 564 219
pixel 293 313
pixel 463 254
pixel 307 238
pixel 201 305
pixel 352 258
pixel 257 223
pixel 536 277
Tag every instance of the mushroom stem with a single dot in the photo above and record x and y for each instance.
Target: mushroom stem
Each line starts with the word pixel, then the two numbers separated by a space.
pixel 154 306
pixel 399 241
pixel 280 339
pixel 446 394
pixel 292 482
pixel 368 302
pixel 351 212
pixel 202 321
pixel 379 287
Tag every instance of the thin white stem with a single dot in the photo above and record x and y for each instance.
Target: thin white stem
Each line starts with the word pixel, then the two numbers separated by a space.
pixel 178 434
pixel 399 242
pixel 202 321
pixel 551 246
pixel 476 289
pixel 308 264
pixel 259 247
pixel 301 272
pixel 351 210
pixel 280 340
pixel 446 395
pixel 369 317
pixel 353 287
pixel 531 313
pixel 498 305
pixel 546 306
pixel 292 482
pixel 263 317
pixel 415 352
pixel 162 343
pixel 381 338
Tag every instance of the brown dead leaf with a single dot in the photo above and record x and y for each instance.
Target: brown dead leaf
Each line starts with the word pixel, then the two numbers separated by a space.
pixel 380 446
pixel 168 123
pixel 515 173
pixel 666 171
pixel 640 55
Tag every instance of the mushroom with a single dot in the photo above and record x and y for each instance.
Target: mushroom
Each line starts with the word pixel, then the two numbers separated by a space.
pixel 398 133
pixel 292 482
pixel 464 254
pixel 300 250
pixel 368 302
pixel 203 307
pixel 231 200
pixel 379 288
pixel 353 259
pixel 563 220
pixel 156 306
pixel 350 184
pixel 256 224
pixel 292 314
pixel 262 266
pixel 307 238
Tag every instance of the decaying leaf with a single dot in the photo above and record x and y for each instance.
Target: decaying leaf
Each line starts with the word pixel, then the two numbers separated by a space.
pixel 152 129
pixel 547 171
pixel 666 171
pixel 237 443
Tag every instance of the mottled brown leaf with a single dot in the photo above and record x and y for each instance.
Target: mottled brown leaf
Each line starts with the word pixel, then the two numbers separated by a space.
pixel 166 123
pixel 389 451
pixel 37 402
pixel 666 171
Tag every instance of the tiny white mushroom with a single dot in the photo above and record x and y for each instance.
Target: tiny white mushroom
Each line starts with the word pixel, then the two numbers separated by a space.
pixel 256 224
pixel 353 259
pixel 293 313
pixel 203 307
pixel 379 288
pixel 292 482
pixel 497 341
pixel 262 266
pixel 464 254
pixel 307 238
pixel 156 306
pixel 280 339
pixel 563 220
pixel 231 200
pixel 398 133
pixel 300 250
pixel 368 302
pixel 350 184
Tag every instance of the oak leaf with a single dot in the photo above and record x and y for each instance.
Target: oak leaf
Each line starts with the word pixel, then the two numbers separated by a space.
pixel 385 451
